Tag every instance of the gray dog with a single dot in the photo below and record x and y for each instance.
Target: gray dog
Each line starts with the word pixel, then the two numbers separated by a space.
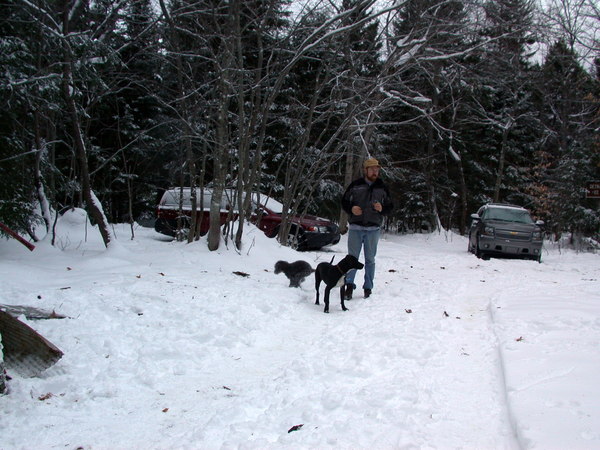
pixel 296 271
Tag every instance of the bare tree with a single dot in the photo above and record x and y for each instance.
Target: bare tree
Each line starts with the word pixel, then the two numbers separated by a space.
pixel 576 22
pixel 253 104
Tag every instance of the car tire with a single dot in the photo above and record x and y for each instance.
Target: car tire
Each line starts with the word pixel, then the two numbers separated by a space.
pixel 480 254
pixel 295 240
pixel 181 234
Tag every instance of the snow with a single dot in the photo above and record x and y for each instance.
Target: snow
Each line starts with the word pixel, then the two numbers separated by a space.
pixel 165 346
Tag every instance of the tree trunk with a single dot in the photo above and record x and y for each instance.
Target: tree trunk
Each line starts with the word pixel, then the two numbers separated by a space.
pixel 129 196
pixel 191 163
pixel 245 129
pixel 348 178
pixel 501 159
pixel 40 147
pixel 463 199
pixel 433 213
pixel 93 205
pixel 200 187
pixel 214 231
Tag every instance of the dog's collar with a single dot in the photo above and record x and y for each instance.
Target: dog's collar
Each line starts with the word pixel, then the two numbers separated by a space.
pixel 338 268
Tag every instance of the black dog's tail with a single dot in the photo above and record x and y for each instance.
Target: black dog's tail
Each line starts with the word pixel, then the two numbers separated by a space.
pixel 332 259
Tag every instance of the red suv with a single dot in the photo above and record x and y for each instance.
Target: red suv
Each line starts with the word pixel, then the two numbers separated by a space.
pixel 307 232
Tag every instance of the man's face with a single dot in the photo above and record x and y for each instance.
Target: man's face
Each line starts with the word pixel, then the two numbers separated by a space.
pixel 372 173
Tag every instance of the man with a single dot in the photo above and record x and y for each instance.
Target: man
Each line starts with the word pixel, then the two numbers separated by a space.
pixel 365 201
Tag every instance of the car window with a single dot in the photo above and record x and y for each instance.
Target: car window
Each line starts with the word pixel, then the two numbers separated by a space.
pixel 508 215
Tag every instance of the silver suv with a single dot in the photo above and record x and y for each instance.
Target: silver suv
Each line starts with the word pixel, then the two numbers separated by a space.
pixel 505 230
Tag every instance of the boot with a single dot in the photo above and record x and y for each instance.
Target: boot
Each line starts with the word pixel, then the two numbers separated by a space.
pixel 348 292
pixel 367 293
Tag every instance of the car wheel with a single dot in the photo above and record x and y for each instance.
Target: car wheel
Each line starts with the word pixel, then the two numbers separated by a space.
pixel 478 252
pixel 295 240
pixel 470 247
pixel 181 234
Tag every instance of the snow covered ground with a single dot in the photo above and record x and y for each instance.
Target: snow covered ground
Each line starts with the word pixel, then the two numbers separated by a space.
pixel 166 347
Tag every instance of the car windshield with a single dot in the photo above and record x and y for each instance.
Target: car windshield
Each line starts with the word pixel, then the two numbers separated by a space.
pixel 508 215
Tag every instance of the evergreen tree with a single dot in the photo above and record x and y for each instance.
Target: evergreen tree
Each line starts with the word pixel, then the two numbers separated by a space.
pixel 30 100
pixel 431 42
pixel 568 156
pixel 124 121
pixel 501 126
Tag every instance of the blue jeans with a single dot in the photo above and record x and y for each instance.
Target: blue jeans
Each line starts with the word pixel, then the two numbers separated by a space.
pixel 356 240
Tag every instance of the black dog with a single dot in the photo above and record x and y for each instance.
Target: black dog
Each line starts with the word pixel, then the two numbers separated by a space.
pixel 296 271
pixel 334 276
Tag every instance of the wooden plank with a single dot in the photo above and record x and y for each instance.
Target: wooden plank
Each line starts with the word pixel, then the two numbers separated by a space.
pixel 30 312
pixel 16 236
pixel 25 350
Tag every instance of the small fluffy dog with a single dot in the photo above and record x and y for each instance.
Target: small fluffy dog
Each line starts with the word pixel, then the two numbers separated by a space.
pixel 296 271
pixel 334 276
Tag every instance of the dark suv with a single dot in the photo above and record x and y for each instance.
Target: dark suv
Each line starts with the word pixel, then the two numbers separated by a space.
pixel 307 232
pixel 505 230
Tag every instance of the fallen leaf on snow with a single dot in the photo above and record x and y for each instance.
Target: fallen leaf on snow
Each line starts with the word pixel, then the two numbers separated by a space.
pixel 295 428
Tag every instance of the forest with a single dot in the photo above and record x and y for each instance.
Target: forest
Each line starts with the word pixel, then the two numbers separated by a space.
pixel 107 103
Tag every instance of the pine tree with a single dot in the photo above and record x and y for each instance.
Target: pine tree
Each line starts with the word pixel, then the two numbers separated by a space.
pixel 30 94
pixel 503 95
pixel 568 157
pixel 431 42
pixel 125 121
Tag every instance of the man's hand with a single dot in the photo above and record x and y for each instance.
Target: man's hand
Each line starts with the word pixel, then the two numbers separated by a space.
pixel 357 210
pixel 377 206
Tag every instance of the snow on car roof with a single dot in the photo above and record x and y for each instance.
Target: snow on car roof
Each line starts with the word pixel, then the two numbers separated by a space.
pixel 268 202
pixel 505 206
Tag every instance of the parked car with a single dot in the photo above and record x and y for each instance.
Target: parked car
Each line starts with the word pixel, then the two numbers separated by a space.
pixel 507 230
pixel 307 232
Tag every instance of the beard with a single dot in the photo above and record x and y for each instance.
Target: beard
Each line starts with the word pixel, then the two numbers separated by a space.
pixel 371 177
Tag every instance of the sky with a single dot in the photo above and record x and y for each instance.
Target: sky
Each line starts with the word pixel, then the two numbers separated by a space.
pixel 169 346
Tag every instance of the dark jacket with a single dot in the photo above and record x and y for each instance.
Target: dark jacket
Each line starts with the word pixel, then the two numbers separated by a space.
pixel 360 193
